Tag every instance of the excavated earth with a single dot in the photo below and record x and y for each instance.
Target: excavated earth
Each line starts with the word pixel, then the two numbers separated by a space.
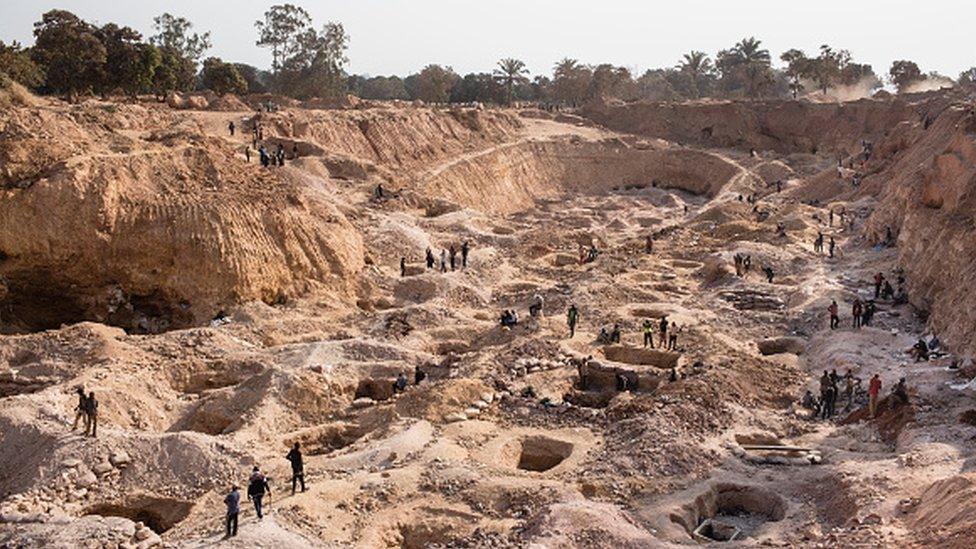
pixel 222 311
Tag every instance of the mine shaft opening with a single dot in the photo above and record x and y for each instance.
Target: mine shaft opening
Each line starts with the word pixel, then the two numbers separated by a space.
pixel 541 454
pixel 158 514
pixel 729 512
pixel 36 301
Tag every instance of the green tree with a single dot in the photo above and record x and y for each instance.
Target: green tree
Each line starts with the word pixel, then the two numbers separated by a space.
pixel 481 87
pixel 130 64
pixel 283 30
pixel 610 81
pixel 570 81
pixel 174 73
pixel 221 78
pixel 315 69
pixel 904 73
pixel 16 62
pixel 384 88
pixel 257 80
pixel 797 68
pixel 745 68
pixel 69 52
pixel 509 73
pixel 699 69
pixel 432 85
pixel 175 33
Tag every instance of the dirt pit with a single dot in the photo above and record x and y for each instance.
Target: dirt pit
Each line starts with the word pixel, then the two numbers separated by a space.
pixel 157 513
pixel 726 511
pixel 537 453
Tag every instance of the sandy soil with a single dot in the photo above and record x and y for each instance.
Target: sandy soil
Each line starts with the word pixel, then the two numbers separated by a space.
pixel 501 446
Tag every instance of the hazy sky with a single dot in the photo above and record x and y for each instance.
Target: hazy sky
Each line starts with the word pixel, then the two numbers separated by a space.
pixel 401 36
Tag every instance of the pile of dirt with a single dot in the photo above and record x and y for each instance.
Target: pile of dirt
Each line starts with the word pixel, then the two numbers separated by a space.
pixel 890 421
pixel 945 514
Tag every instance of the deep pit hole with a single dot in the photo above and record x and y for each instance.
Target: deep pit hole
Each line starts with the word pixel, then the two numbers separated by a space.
pixel 540 454
pixel 725 511
pixel 158 514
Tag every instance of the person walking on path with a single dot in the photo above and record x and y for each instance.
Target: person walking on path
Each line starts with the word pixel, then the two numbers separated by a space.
pixel 233 503
pixel 257 487
pixel 834 319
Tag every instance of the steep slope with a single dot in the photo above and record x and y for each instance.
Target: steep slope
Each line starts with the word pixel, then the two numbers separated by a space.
pixel 926 196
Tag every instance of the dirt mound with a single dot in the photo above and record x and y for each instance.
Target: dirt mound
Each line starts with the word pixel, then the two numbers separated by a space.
pixel 945 514
pixel 891 419
pixel 436 401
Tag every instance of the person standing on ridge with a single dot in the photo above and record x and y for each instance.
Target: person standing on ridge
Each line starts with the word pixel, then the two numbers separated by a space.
pixel 648 333
pixel 834 319
pixel 874 387
pixel 297 467
pixel 572 318
pixel 430 259
pixel 231 128
pixel 91 410
pixel 80 410
pixel 663 330
pixel 465 248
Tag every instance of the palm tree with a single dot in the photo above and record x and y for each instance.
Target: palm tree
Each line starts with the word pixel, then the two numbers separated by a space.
pixel 750 50
pixel 754 61
pixel 697 65
pixel 509 72
pixel 565 68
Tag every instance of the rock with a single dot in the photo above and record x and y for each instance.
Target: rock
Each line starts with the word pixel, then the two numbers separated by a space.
pixel 71 463
pixel 152 541
pixel 143 533
pixel 119 458
pixel 102 468
pixel 456 417
pixel 86 478
pixel 480 404
pixel 363 402
pixel 488 397
pixel 472 412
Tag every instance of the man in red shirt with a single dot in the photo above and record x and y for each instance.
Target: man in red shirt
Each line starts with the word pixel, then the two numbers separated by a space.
pixel 873 389
pixel 834 319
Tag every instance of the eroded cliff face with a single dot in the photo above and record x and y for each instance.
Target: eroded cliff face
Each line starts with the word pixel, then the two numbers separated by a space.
pixel 781 126
pixel 926 195
pixel 144 218
pixel 511 178
pixel 397 139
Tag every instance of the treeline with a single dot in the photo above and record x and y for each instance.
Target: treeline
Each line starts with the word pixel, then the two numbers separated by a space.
pixel 73 57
